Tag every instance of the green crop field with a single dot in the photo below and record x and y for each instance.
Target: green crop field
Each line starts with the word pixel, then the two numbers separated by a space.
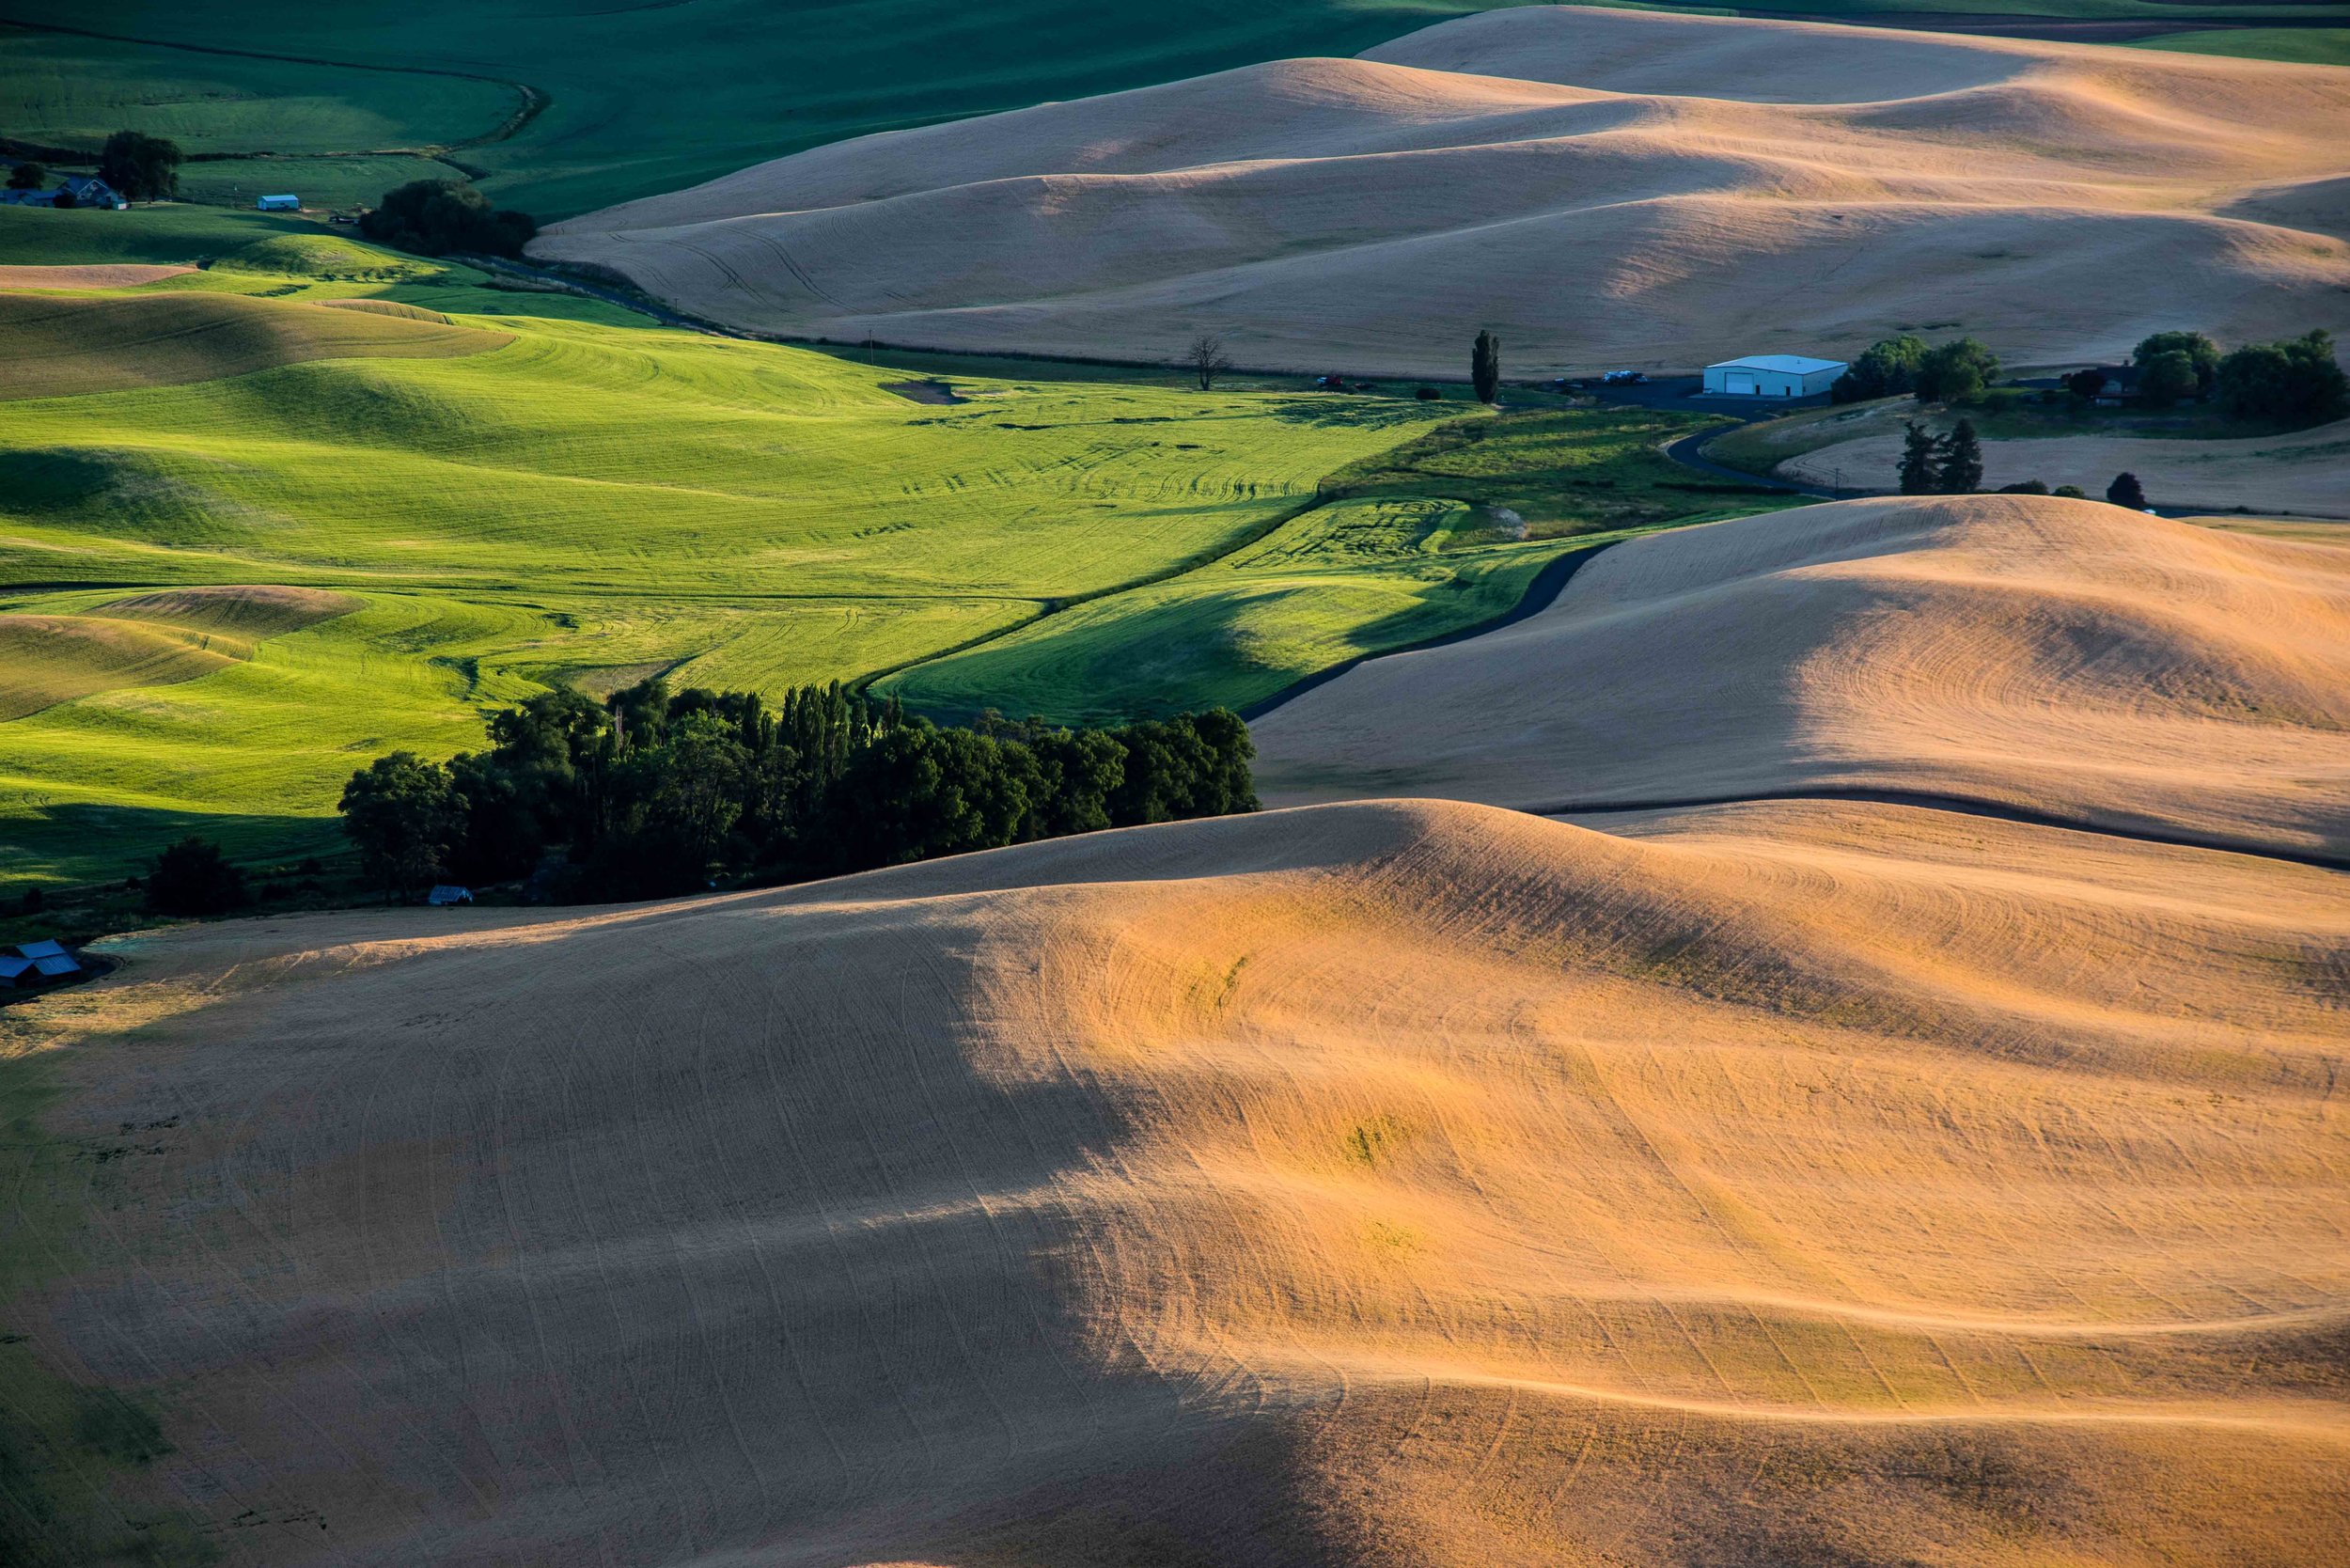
pixel 401 497
pixel 2301 45
pixel 564 111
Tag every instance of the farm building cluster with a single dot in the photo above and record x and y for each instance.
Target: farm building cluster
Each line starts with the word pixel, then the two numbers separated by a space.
pixel 75 189
pixel 31 964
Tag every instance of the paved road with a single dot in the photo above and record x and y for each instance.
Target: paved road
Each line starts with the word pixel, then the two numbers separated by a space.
pixel 1682 395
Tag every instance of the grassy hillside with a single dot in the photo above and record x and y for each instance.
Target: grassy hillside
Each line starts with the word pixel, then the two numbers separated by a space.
pixel 585 501
pixel 2302 45
pixel 566 112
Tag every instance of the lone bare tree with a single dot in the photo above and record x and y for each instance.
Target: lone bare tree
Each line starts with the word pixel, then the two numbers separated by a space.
pixel 1207 359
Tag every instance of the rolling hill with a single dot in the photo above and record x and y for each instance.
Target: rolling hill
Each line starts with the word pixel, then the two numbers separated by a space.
pixel 1601 187
pixel 556 493
pixel 2023 654
pixel 1381 1183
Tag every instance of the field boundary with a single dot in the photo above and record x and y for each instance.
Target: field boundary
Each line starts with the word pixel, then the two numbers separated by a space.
pixel 1973 805
pixel 1539 595
pixel 534 100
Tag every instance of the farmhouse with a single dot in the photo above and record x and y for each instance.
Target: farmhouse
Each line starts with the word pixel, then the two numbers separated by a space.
pixel 279 204
pixel 1771 375
pixel 90 190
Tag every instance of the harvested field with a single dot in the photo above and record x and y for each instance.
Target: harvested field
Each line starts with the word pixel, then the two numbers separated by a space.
pixel 1381 1183
pixel 1714 177
pixel 2306 473
pixel 2058 657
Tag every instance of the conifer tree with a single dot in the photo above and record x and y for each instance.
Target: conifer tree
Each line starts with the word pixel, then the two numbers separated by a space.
pixel 1921 460
pixel 1961 473
pixel 1485 366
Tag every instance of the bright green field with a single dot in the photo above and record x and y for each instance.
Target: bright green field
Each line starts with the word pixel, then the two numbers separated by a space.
pixel 642 99
pixel 596 500
pixel 2301 45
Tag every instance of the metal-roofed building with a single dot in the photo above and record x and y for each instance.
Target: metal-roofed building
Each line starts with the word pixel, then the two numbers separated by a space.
pixel 1773 375
pixel 34 962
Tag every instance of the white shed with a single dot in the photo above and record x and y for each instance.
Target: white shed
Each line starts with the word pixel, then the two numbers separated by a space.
pixel 279 204
pixel 1771 375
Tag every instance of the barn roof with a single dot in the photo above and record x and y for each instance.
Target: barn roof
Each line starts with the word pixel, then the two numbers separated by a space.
pixel 42 950
pixel 1787 364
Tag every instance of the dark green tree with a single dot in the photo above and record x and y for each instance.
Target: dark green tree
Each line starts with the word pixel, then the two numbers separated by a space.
pixel 919 791
pixel 2085 384
pixel 2071 491
pixel 1485 366
pixel 1961 470
pixel 434 217
pixel 192 877
pixel 2024 486
pixel 1886 368
pixel 2126 492
pixel 2203 357
pixel 403 815
pixel 140 167
pixel 28 176
pixel 2166 378
pixel 1921 464
pixel 1954 372
pixel 2294 381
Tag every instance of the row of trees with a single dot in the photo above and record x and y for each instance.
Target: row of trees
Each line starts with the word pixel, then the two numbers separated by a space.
pixel 1945 373
pixel 434 217
pixel 1941 464
pixel 2293 381
pixel 1952 465
pixel 659 792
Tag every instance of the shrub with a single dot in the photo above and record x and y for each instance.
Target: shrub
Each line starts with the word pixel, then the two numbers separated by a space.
pixel 192 877
pixel 2126 492
pixel 34 900
pixel 140 167
pixel 2293 381
pixel 1954 372
pixel 433 217
pixel 2071 492
pixel 2085 384
pixel 2024 486
pixel 1428 395
pixel 1886 368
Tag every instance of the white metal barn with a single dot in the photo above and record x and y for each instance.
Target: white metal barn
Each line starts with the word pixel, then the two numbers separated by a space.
pixel 1771 375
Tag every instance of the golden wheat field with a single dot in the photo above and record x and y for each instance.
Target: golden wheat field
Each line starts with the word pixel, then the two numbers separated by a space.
pixel 2065 658
pixel 1601 187
pixel 1837 1182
